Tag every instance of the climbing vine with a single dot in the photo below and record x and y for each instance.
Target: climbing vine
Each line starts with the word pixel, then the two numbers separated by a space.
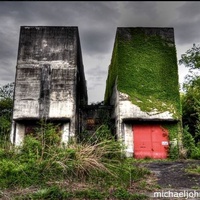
pixel 145 67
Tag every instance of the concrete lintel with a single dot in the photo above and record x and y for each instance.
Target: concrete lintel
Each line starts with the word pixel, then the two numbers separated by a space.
pixel 129 120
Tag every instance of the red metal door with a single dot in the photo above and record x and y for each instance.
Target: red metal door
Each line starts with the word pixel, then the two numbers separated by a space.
pixel 150 141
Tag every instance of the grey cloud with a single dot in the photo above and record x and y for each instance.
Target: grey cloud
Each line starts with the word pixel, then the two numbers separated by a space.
pixel 97 23
pixel 66 13
pixel 8 56
pixel 7 72
pixel 94 88
pixel 94 85
pixel 142 8
pixel 96 77
pixel 96 71
pixel 7 44
pixel 35 12
pixel 61 12
pixel 189 11
pixel 187 33
pixel 95 41
pixel 94 80
pixel 187 29
pixel 138 13
pixel 96 20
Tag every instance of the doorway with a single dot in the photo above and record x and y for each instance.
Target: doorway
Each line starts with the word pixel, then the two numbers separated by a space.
pixel 150 141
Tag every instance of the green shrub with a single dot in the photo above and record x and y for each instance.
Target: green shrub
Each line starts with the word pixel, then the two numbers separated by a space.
pixel 173 152
pixel 193 151
pixel 89 194
pixel 195 154
pixel 121 193
pixel 42 163
pixel 53 192
pixel 102 133
pixel 56 192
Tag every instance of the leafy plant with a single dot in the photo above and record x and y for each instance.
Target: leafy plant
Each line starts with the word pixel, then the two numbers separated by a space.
pixel 41 162
pixel 191 88
pixel 121 193
pixel 191 58
pixel 191 108
pixel 193 151
pixel 6 105
pixel 102 133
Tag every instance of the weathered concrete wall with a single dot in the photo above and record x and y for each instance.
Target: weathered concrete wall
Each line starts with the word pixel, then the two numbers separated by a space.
pixel 49 71
pixel 133 71
pixel 125 114
pixel 93 117
pixel 123 130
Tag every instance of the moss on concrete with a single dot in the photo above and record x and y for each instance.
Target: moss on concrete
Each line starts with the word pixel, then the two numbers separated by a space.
pixel 145 67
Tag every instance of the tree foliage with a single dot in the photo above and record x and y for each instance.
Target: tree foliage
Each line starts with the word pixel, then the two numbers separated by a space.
pixel 191 96
pixel 191 105
pixel 6 105
pixel 7 91
pixel 191 58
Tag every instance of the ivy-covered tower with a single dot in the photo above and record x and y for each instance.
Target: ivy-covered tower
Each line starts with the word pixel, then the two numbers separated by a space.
pixel 142 85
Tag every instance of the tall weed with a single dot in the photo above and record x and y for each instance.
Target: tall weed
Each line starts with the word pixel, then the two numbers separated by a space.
pixel 42 161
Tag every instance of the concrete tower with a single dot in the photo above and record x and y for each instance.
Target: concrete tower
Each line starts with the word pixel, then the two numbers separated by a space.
pixel 50 82
pixel 142 85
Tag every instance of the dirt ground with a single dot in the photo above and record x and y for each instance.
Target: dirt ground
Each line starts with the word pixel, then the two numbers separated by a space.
pixel 172 175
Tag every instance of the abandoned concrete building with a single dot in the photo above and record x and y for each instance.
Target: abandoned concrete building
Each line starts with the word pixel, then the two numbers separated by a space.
pixel 142 90
pixel 142 85
pixel 50 81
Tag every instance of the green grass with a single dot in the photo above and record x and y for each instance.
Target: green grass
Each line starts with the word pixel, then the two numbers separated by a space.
pixel 193 169
pixel 91 170
pixel 60 193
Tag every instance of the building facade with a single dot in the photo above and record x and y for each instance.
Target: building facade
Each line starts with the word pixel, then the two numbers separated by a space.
pixel 50 82
pixel 142 85
pixel 142 90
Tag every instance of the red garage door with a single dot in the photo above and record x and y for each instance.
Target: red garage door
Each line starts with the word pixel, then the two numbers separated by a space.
pixel 150 141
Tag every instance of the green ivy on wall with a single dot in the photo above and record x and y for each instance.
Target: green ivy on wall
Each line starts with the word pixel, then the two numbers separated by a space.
pixel 174 130
pixel 145 67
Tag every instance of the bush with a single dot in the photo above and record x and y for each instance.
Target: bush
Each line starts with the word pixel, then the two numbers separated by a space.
pixel 188 141
pixel 53 192
pixel 121 193
pixel 41 159
pixel 43 163
pixel 193 151
pixel 102 133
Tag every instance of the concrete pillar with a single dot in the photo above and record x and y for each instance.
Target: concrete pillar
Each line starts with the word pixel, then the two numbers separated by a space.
pixel 65 133
pixel 128 139
pixel 18 133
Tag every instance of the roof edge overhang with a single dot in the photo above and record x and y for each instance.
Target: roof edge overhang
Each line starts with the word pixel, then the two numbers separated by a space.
pixel 38 119
pixel 131 120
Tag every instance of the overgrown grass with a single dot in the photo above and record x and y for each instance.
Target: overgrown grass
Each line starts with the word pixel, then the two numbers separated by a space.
pixel 193 169
pixel 59 193
pixel 51 167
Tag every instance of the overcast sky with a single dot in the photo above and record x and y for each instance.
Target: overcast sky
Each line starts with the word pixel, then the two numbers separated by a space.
pixel 97 23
